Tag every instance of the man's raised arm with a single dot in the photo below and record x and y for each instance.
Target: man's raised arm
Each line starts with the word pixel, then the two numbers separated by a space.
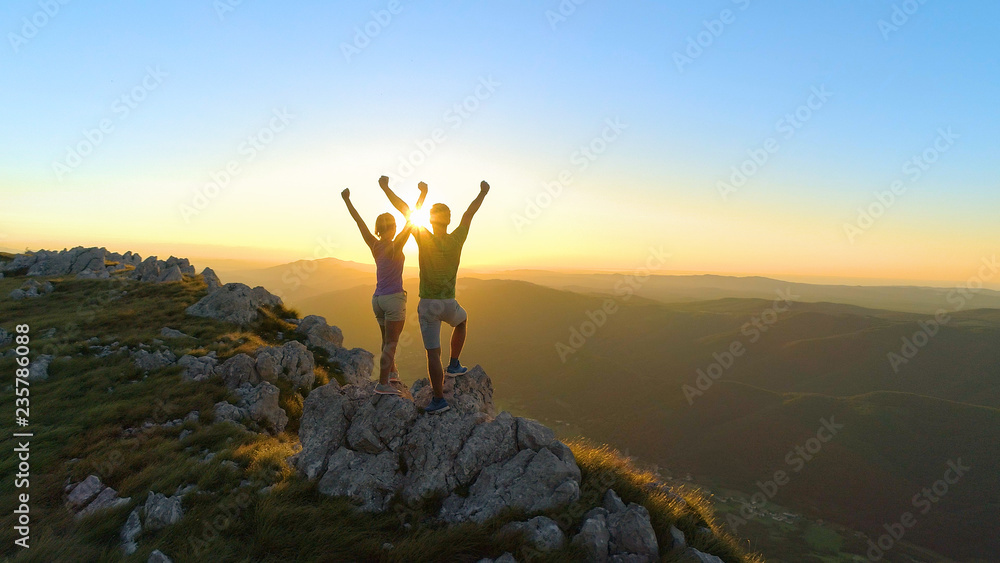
pixel 394 199
pixel 484 189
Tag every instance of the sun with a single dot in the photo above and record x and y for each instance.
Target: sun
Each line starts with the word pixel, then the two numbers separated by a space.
pixel 421 218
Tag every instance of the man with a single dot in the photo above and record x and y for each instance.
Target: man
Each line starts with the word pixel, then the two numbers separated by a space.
pixel 440 254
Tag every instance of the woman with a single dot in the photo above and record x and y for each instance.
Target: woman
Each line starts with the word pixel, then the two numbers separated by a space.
pixel 389 300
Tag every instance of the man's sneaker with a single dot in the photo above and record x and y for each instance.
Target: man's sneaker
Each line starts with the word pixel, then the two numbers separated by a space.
pixel 385 390
pixel 453 371
pixel 437 406
pixel 394 377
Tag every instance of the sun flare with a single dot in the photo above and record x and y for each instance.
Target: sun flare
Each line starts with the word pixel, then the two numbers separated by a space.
pixel 421 218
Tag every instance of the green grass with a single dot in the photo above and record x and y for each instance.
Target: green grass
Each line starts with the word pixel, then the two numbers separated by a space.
pixel 79 416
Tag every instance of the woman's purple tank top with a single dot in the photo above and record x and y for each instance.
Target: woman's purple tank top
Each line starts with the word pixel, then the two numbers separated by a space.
pixel 388 268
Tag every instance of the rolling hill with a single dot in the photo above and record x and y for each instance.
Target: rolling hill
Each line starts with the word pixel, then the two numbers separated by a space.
pixel 625 384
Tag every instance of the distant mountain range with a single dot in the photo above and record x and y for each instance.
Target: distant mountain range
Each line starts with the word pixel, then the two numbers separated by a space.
pixel 640 371
pixel 309 278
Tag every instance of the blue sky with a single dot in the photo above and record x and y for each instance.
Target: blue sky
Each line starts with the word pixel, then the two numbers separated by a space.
pixel 556 85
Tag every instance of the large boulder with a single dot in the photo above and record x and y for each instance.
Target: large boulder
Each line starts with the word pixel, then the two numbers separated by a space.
pixel 320 334
pixel 172 274
pixel 236 303
pixel 534 481
pixel 356 364
pixel 238 370
pixel 150 270
pixel 469 393
pixel 90 259
pixel 371 479
pixel 402 453
pixel 381 424
pixel 292 362
pixel 325 417
pixel 211 279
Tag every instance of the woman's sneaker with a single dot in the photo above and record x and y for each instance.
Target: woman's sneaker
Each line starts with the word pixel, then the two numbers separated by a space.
pixel 394 377
pixel 437 406
pixel 385 389
pixel 454 370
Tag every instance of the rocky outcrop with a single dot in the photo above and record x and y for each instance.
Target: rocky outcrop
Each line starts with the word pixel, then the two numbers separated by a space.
pixel 373 448
pixel 235 303
pixel 98 263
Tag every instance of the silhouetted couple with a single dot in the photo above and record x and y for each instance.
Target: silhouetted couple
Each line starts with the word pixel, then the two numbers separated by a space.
pixel 439 255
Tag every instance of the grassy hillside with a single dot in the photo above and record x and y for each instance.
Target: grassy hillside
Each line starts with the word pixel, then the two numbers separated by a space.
pixel 624 385
pixel 82 414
